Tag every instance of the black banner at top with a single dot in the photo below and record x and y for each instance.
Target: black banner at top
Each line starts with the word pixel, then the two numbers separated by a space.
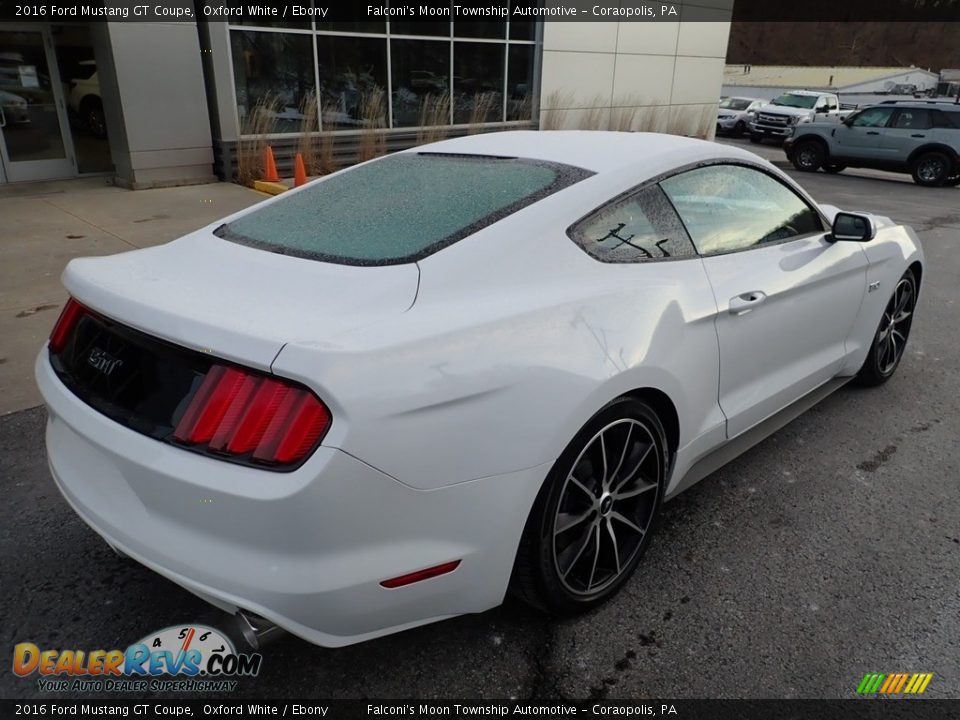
pixel 310 13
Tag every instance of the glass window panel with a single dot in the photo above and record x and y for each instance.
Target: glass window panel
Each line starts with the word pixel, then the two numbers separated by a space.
pixel 358 217
pixel 352 71
pixel 520 82
pixel 358 26
pixel 523 29
pixel 640 228
pixel 274 75
pixel 731 207
pixel 420 27
pixel 421 82
pixel 480 28
pixel 478 82
pixel 264 22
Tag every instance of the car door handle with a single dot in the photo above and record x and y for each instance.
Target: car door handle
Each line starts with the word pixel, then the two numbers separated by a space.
pixel 742 304
pixel 872 132
pixel 918 135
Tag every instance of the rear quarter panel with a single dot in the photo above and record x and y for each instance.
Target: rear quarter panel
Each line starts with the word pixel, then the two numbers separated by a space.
pixel 516 339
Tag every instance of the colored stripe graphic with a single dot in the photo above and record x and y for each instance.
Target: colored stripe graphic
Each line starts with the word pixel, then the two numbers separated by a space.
pixel 894 683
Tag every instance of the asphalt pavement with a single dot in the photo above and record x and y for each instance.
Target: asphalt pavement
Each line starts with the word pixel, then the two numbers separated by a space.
pixel 830 550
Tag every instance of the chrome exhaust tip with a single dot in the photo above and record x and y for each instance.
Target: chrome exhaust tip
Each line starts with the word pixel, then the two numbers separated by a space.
pixel 254 630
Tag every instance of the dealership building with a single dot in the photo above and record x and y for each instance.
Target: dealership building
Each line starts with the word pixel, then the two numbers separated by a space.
pixel 163 103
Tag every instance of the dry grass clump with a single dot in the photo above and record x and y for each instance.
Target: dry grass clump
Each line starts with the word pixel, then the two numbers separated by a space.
pixel 593 117
pixel 308 129
pixel 434 118
pixel 253 139
pixel 373 114
pixel 556 109
pixel 483 105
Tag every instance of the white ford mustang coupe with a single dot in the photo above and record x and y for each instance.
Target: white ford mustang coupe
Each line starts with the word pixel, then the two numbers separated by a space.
pixel 478 366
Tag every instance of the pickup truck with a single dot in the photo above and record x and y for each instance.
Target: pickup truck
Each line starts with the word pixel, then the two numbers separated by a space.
pixel 778 118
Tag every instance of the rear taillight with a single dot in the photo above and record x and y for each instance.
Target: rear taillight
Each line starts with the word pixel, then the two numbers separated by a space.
pixel 71 312
pixel 239 413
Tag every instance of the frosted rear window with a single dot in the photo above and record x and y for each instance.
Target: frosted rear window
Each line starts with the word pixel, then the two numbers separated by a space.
pixel 399 209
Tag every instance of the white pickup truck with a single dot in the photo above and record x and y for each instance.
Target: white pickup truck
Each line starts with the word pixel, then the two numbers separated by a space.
pixel 777 118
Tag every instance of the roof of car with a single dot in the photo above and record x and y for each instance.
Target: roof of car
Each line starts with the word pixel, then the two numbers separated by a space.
pixel 596 150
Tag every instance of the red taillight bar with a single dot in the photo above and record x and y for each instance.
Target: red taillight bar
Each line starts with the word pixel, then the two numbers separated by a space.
pixel 419 575
pixel 236 412
pixel 71 312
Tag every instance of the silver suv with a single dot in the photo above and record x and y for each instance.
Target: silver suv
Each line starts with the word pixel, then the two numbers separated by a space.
pixel 917 137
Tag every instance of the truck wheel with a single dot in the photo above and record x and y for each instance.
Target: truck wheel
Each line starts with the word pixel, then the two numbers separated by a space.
pixel 755 138
pixel 833 169
pixel 808 156
pixel 739 128
pixel 930 169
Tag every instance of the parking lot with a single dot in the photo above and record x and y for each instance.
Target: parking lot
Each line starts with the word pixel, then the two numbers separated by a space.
pixel 828 551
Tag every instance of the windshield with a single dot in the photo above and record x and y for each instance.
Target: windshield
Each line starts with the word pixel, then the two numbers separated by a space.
pixel 398 209
pixel 735 104
pixel 797 101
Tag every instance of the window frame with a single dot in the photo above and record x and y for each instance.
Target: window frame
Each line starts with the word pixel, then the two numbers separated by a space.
pixel 825 224
pixel 901 110
pixel 657 179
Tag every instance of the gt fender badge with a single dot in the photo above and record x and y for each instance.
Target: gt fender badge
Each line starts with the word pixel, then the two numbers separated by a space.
pixel 873 286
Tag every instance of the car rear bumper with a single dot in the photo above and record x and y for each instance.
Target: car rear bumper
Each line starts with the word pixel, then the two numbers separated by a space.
pixel 306 550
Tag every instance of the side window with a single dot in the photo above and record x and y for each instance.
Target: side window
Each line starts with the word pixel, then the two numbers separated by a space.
pixel 831 104
pixel 638 228
pixel 945 119
pixel 821 105
pixel 731 207
pixel 912 119
pixel 873 117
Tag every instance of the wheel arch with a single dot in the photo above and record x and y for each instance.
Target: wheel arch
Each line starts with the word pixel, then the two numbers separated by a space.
pixel 88 99
pixel 665 409
pixel 814 138
pixel 935 147
pixel 916 267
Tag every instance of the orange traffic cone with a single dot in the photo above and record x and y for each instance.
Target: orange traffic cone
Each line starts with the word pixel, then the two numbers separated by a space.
pixel 270 167
pixel 300 172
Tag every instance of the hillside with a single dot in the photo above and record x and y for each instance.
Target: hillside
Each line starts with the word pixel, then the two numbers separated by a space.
pixel 930 45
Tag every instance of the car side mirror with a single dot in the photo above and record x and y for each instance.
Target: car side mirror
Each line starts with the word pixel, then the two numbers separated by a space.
pixel 853 227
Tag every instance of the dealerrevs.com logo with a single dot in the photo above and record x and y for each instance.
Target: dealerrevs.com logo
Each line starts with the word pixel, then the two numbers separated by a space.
pixel 190 658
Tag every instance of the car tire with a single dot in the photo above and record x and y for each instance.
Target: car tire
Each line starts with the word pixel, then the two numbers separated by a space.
pixel 595 514
pixel 931 169
pixel 754 138
pixel 833 169
pixel 886 351
pixel 91 110
pixel 739 129
pixel 808 156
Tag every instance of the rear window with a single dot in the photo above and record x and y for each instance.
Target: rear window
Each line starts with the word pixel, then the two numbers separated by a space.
pixel 399 209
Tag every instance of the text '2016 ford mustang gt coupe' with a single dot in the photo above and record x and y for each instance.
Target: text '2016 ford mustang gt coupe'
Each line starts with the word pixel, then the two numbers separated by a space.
pixel 477 366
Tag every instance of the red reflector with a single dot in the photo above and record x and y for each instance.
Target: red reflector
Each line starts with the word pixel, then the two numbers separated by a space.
pixel 421 575
pixel 238 412
pixel 71 312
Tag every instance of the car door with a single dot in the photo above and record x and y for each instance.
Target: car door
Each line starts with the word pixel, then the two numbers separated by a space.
pixel 786 296
pixel 909 129
pixel 860 136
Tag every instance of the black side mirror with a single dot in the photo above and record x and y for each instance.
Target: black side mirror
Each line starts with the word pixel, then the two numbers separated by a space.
pixel 854 227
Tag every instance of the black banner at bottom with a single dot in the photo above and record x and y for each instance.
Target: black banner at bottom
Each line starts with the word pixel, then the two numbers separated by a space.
pixel 865 708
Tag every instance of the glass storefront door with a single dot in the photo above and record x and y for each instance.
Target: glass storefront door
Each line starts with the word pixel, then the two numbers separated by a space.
pixel 33 144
